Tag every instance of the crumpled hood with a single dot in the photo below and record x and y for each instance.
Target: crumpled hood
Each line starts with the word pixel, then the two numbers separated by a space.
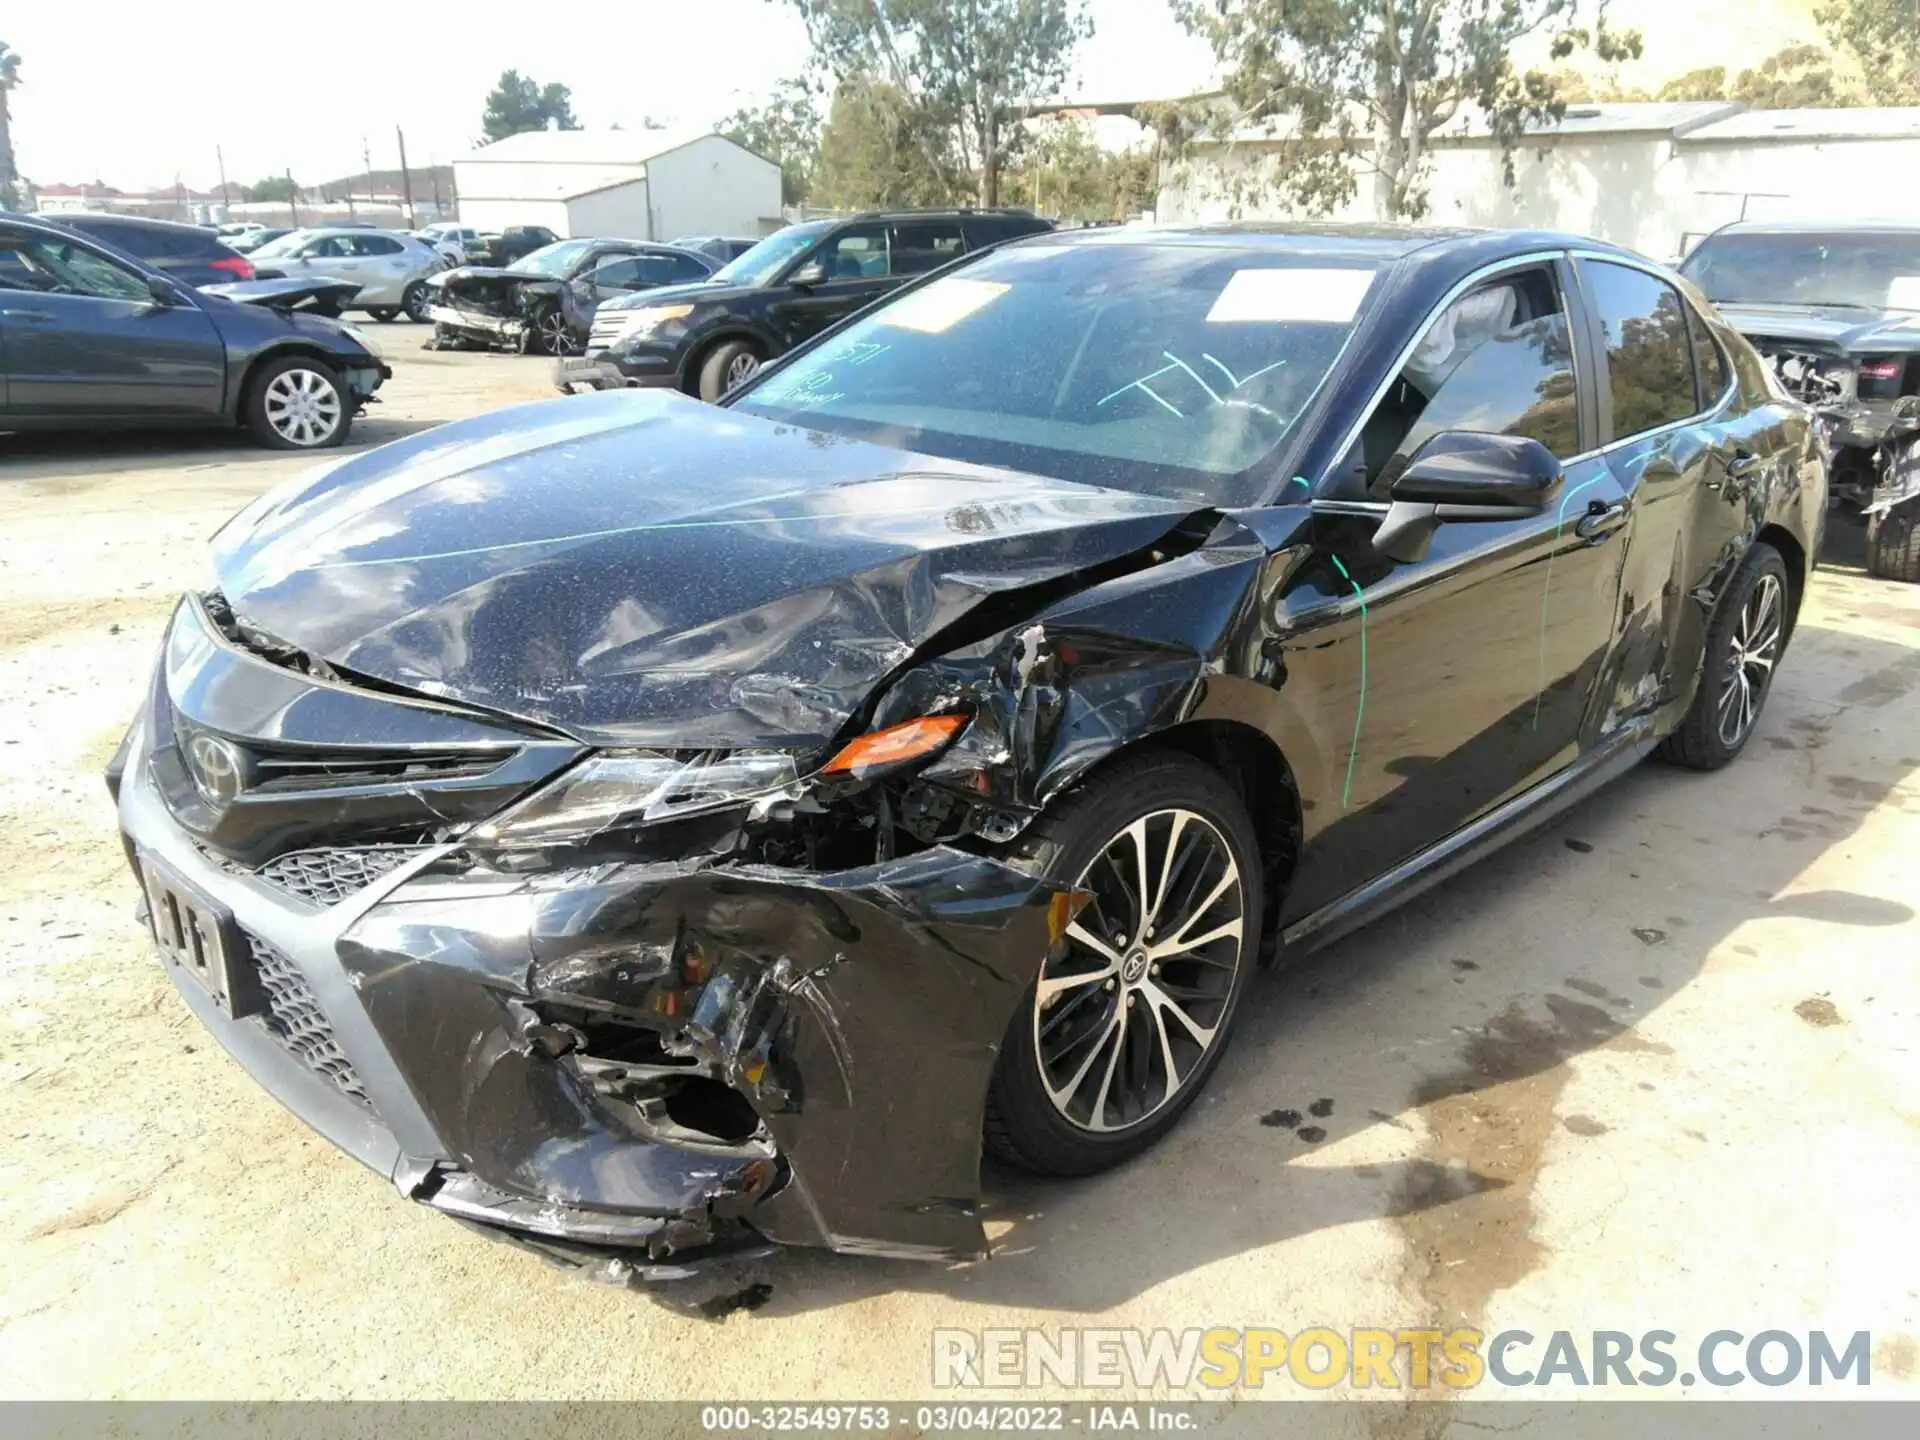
pixel 638 568
pixel 1836 328
pixel 283 294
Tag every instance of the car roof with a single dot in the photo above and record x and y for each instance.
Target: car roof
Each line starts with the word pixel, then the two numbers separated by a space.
pixel 1819 227
pixel 1380 244
pixel 102 217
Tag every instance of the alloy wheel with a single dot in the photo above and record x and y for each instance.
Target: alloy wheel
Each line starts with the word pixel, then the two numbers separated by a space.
pixel 742 368
pixel 1753 648
pixel 550 331
pixel 303 407
pixel 1125 1012
pixel 415 303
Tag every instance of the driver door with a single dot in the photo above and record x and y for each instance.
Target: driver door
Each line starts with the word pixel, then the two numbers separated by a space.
pixel 1483 656
pixel 84 337
pixel 853 262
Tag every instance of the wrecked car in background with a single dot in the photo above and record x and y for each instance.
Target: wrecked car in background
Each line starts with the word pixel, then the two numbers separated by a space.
pixel 92 338
pixel 644 828
pixel 1835 309
pixel 544 304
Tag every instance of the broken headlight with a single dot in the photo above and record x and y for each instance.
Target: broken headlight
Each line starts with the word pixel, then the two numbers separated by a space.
pixel 628 789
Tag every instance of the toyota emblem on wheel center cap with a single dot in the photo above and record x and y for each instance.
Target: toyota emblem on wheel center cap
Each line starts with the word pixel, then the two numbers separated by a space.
pixel 216 768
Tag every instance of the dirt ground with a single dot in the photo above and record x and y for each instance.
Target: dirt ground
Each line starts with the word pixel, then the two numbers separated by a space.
pixel 1654 1067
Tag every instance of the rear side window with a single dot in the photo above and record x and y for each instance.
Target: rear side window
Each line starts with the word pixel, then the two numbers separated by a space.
pixel 1649 351
pixel 1709 365
pixel 924 245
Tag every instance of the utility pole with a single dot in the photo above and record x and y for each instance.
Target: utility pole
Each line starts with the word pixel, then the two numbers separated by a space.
pixel 366 157
pixel 293 198
pixel 433 169
pixel 224 197
pixel 406 180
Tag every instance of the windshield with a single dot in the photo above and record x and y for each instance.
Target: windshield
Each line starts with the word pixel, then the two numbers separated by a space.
pixel 285 245
pixel 1170 369
pixel 767 259
pixel 1877 272
pixel 553 260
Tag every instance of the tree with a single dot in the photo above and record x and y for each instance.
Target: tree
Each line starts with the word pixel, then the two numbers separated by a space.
pixel 1707 83
pixel 275 189
pixel 9 78
pixel 966 73
pixel 1068 175
pixel 880 150
pixel 1362 86
pixel 520 103
pixel 1798 77
pixel 787 131
pixel 1884 35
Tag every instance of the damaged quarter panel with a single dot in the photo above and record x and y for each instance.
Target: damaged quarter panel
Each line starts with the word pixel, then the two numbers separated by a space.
pixel 650 829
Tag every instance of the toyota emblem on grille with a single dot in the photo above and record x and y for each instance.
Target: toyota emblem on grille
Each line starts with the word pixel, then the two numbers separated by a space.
pixel 216 768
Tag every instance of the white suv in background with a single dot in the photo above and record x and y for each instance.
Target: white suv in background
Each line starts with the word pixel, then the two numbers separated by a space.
pixel 461 244
pixel 389 267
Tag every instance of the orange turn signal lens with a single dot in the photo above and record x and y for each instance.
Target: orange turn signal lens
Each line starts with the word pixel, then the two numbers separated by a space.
pixel 896 743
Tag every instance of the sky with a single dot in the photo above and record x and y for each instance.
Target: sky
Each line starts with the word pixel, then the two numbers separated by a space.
pixel 153 106
pixel 302 87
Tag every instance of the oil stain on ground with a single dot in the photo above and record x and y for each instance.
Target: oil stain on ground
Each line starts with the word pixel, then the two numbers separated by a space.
pixel 1818 1012
pixel 1467 1217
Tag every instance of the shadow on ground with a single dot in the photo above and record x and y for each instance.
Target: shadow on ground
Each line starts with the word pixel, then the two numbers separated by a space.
pixel 78 455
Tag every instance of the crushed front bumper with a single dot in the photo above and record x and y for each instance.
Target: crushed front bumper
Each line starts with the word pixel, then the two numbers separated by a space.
pixel 502 329
pixel 859 1014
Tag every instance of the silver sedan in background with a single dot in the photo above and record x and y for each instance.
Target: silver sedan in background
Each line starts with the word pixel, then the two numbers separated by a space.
pixel 389 267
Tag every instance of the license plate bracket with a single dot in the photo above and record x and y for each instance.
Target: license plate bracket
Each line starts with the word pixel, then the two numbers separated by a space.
pixel 197 936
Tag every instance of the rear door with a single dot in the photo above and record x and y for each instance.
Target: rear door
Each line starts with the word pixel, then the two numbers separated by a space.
pixel 84 338
pixel 1677 438
pixel 382 267
pixel 1480 658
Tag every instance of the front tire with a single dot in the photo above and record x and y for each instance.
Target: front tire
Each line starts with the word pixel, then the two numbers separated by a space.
pixel 730 363
pixel 547 334
pixel 385 314
pixel 1893 543
pixel 297 403
pixel 1744 645
pixel 1132 1010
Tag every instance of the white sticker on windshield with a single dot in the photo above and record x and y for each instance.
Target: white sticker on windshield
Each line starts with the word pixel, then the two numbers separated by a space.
pixel 941 305
pixel 1330 297
pixel 1903 292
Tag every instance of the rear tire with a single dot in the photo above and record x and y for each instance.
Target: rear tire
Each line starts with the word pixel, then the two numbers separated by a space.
pixel 1745 643
pixel 1893 543
pixel 730 363
pixel 385 314
pixel 298 403
pixel 1053 1106
pixel 414 301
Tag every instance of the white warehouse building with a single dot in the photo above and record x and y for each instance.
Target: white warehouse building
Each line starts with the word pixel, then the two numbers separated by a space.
pixel 634 184
pixel 1654 177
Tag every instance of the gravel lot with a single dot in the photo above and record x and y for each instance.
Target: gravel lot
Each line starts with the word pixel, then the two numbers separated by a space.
pixel 1655 1067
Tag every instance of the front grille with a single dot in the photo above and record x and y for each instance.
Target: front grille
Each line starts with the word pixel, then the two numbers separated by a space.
pixel 301 770
pixel 297 1021
pixel 607 330
pixel 326 877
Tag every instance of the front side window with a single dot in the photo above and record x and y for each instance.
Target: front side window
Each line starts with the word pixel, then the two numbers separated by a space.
pixel 327 247
pixel 1499 360
pixel 1173 369
pixel 859 253
pixel 618 274
pixel 59 267
pixel 373 245
pixel 925 245
pixel 1649 353
pixel 764 261
pixel 1709 365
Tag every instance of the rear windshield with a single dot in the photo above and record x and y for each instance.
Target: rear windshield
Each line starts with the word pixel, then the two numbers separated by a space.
pixel 1175 370
pixel 1864 271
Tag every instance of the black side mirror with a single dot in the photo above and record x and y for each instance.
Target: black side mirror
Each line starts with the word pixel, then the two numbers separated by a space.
pixel 162 291
pixel 808 275
pixel 1465 476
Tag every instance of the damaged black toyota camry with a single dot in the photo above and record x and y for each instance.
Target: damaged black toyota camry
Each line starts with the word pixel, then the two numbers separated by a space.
pixel 646 829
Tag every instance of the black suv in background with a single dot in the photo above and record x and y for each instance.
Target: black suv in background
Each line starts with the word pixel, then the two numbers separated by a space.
pixel 515 243
pixel 180 252
pixel 708 337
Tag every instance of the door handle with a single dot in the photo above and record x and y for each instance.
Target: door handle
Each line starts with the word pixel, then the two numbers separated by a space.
pixel 1601 520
